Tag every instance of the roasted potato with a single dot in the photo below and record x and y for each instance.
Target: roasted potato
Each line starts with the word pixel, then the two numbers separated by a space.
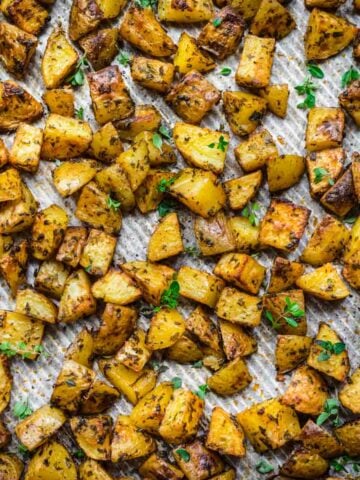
pixel 330 162
pixel 324 283
pixel 190 57
pixel 284 171
pixel 319 440
pixel 85 16
pixel 305 464
pixel 93 435
pixel 202 462
pixel 146 118
pixel 98 398
pixel 106 144
pixel 239 307
pixel 5 383
pixel 76 300
pixel 18 215
pixel 156 466
pixel 13 265
pixel 91 468
pixel 135 162
pixel 135 352
pixel 341 198
pixel 166 327
pixel 114 181
pixel 213 235
pixel 350 101
pixel 353 244
pixel 47 232
pixel 147 196
pixel 272 20
pixel 60 101
pixel 193 11
pixel 277 97
pixel 52 460
pixel 17 49
pixel 278 308
pixel 224 434
pixel 237 342
pixel 141 29
pixel 246 8
pixel 29 15
pixel 203 328
pixel 355 170
pixel 230 378
pixel 98 252
pixel 51 277
pixel 111 8
pixel 71 176
pixel 284 274
pixel 25 151
pixel 4 154
pixel 199 286
pixel 116 287
pixel 291 350
pixel 5 436
pixel 36 305
pixel 254 152
pixel 158 157
pixel 246 235
pixel 242 189
pixel 100 47
pixel 244 111
pixel 128 442
pixel 349 394
pixel 166 239
pixel 152 74
pixel 10 185
pixel 325 128
pixel 81 349
pixel 324 3
pixel 72 246
pixel 348 435
pixel 185 350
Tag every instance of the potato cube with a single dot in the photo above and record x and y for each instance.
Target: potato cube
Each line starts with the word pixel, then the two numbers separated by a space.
pixel 277 97
pixel 325 128
pixel 254 152
pixel 135 162
pixel 324 3
pixel 25 151
pixel 245 234
pixel 52 460
pixel 166 240
pixel 146 118
pixel 135 353
pixel 48 231
pixel 99 397
pixel 291 350
pixel 182 416
pixel 256 61
pixel 304 464
pixel 239 307
pixel 65 137
pixel 201 147
pixel 214 235
pixel 98 252
pixel 28 15
pixel 60 101
pixel 193 97
pixel 204 329
pixel 246 8
pixel 349 100
pixel 348 435
pixel 106 144
pixel 283 225
pixel 199 191
pixel 272 20
pixel 349 393
pixel 324 283
pixel 100 47
pixel 81 349
pixel 166 327
pixel 13 264
pixel 114 181
pixel 355 170
pixel 231 378
pixel 71 176
pixel 91 468
pixel 153 74
pixel 85 16
pixel 242 189
pixel 5 381
pixel 129 442
pixel 284 274
pixel 341 198
pixel 17 215
pixel 17 49
pixel 199 286
pixel 237 342
pixel 35 305
pixel 10 185
pixel 320 440
pixel 147 196
pixel 185 350
pixel 353 245
pixel 329 164
pixel 158 156
pixel 284 171
pixel 4 154
pixel 116 287
pixel 190 57
pixel 111 8
pixel 93 435
pixel 156 466
pixel 224 435
pixel 72 246
pixel 192 11
pixel 110 98
pixel 202 462
pixel 269 424
pixel 244 111
pixel 5 435
pixel 286 312
pixel 77 300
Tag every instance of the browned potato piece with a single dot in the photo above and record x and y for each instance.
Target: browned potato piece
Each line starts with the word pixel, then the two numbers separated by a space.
pixel 65 137
pixel 231 378
pixel 16 106
pixel 155 466
pixel 114 181
pixel 91 468
pixel 25 151
pixel 278 305
pixel 185 350
pixel 10 185
pixel 110 98
pixel 349 435
pixel 60 101
pixel 202 462
pixel 327 35
pixel 71 176
pixel 192 11
pixel 353 245
pixel 199 191
pixel 73 381
pixel 272 20
pixel 59 59
pixel 166 239
pixel 5 383
pixel 128 442
pixel 116 287
pixel 98 252
pixel 17 215
pixel 17 328
pixel 72 245
pixel 324 283
pixel 305 464
pixel 246 8
pixel 284 171
pixel 291 350
pixel 213 235
pixel 98 398
pixel 355 170
pixel 5 436
pixel 283 225
pixel 277 97
pixel 350 100
pixel 224 434
pixel 146 118
pixel 52 460
pixel 335 365
pixel 4 154
pixel 81 349
pixel 199 286
pixel 246 235
pixel 36 305
pixel 332 161
pixel 93 207
pixel 13 265
pixel 111 8
pixel 254 152
pixel 193 97
pixel 85 16
pixel 51 277
pixel 237 342
pixel 106 144
pixel 190 57
pixel 6 243
pixel 254 69
pixel 153 74
pixel 135 353
pixel 244 111
pixel 182 416
pixel 148 196
pixel 239 307
pixel 325 128
pixel 324 3
pixel 17 48
pixel 284 274
pixel 242 270
pixel 93 435
pixel 28 15
pixel 39 426
pixel 242 189
pixel 341 198
pixel 203 328
pixel 166 327
pixel 269 424
pixel 349 394
pixel 11 466
pixel 319 440
pixel 77 300
pixel 222 40
pixel 135 162
pixel 141 29
pixel 158 156
pixel 100 47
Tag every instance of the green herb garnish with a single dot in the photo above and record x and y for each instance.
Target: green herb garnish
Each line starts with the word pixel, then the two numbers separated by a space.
pixel 183 454
pixel 6 348
pixel 349 76
pixel 322 173
pixel 165 132
pixel 250 212
pixel 157 140
pixel 315 71
pixel 176 382
pixel 329 349
pixel 292 312
pixel 350 220
pixel 78 78
pixel 197 364
pixel 221 145
pixel 22 410
pixel 264 467
pixel 79 113
pixel 201 391
pixel 307 88
pixel 225 72
pixel 146 3
pixel 170 296
pixel 164 184
pixel 124 59
pixel 340 464
pixel 192 251
pixel 165 207
pixel 330 411
pixel 217 22
pixel 113 204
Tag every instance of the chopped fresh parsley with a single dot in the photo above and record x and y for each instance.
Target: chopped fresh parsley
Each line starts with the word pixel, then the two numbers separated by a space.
pixel 315 71
pixel 113 204
pixel 250 212
pixel 77 79
pixel 170 296
pixel 322 173
pixel 221 145
pixel 176 382
pixel 22 410
pixel 329 349
pixel 264 467
pixel 79 113
pixel 164 184
pixel 124 59
pixel 225 71
pixel 291 314
pixel 201 391
pixel 183 454
pixel 217 22
pixel 330 412
pixel 307 88
pixel 166 206
pixel 349 76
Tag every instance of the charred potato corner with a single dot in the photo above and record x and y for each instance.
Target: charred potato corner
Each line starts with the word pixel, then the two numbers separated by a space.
pixel 179 239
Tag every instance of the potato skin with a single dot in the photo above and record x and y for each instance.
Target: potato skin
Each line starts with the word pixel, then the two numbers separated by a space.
pixel 341 198
pixel 325 128
pixel 153 74
pixel 85 16
pixel 319 440
pixel 72 246
pixel 16 49
pixel 203 462
pixel 100 47
pixel 213 235
pixel 305 464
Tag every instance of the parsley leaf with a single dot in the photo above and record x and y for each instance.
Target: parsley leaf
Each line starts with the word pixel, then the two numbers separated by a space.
pixel 183 454
pixel 22 410
pixel 197 364
pixel 78 77
pixel 79 113
pixel 225 72
pixel 158 367
pixel 322 173
pixel 192 251
pixel 315 71
pixel 264 467
pixel 221 145
pixel 170 296
pixel 350 220
pixel 23 450
pixel 165 207
pixel 307 88
pixel 164 184
pixel 329 349
pixel 217 22
pixel 273 322
pixel 113 204
pixel 330 411
pixel 349 76
pixel 124 59
pixel 292 312
pixel 176 382
pixel 157 140
pixel 79 454
pixel 146 3
pixel 165 132
pixel 340 464
pixel 201 391
pixel 88 268
pixel 250 212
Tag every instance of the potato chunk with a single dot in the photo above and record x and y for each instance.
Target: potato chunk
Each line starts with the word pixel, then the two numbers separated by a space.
pixel 72 246
pixel 182 416
pixel 10 185
pixel 254 152
pixel 141 29
pixel 243 111
pixel 283 225
pixel 269 424
pixel 166 327
pixel 100 47
pixel 128 442
pixel 327 35
pixel 277 97
pixel 349 395
pixel 239 307
pixel 106 144
pixel 166 240
pixel 245 234
pixel 71 176
pixel 284 172
pixel 305 464
pixel 325 128
pixel 48 231
pixel 28 15
pixel 254 69
pixel 348 435
pixel 4 154
pixel 25 151
pixel 5 383
pixel 328 162
pixel 116 287
pixel 98 398
pixel 272 20
pixel 214 235
pixel 192 11
pixel 284 274
pixel 319 440
pixel 81 349
pixel 156 466
pixel 135 162
pixel 39 426
pixel 203 328
pixel 17 49
pixel 341 198
pixel 242 189
pixel 60 101
pixel 29 302
pixel 90 468
pixel 98 252
pixel 291 350
pixel 237 342
pixel 230 378
pixel 185 350
pixel 59 59
pixel 52 460
pixel 77 300
pixel 199 286
pixel 224 435
pixel 146 118
pixel 135 352
pixel 279 307
pixel 190 57
pixel 11 466
pixel 324 283
pixel 85 16
pixel 93 435
pixel 114 181
pixel 147 196
pixel 202 462
pixel 153 74
pixel 17 215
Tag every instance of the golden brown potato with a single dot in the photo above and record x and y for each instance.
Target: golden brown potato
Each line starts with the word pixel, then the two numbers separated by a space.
pixel 324 283
pixel 254 152
pixel 349 394
pixel 52 460
pixel 166 327
pixel 246 8
pixel 278 309
pixel 141 29
pixel 237 342
pixel 116 287
pixel 193 97
pixel 202 462
pixel 199 286
pixel 190 57
pixel 304 464
pixel 13 265
pixel 283 225
pixel 182 416
pixel 231 378
pixel 224 434
pixel 350 101
pixel 353 245
pixel 272 20
pixel 36 305
pixel 11 466
pixel 85 16
pixel 72 245
pixel 221 39
pixel 348 435
pixel 77 300
pixel 81 349
pixel 98 398
pixel 18 215
pixel 6 243
pixel 39 426
pixel 4 154
pixel 341 198
pixel 128 442
pixel 244 111
pixel 100 47
pixel 135 352
pixel 60 101
pixel 284 171
pixel 269 424
pixel 355 170
pixel 92 469
pixel 324 3
pixel 148 197
pixel 98 252
pixel 28 15
pixel 17 106
pixel 51 277
pixel 239 307
pixel 185 350
pixel 153 74
pixel 324 168
pixel 5 383
pixel 277 97
pixel 71 176
pixel 5 436
pixel 110 98
pixel 334 363
pixel 59 59
pixel 203 328
pixel 106 144
pixel 327 34
pixel 291 350
pixel 199 191
pixel 213 235
pixel 93 435
pixel 146 118
pixel 65 137
pixel 166 239
pixel 155 466
pixel 245 234
pixel 17 48
pixel 25 151
pixel 73 381
pixel 201 147
pixel 135 162
pixel 325 128
pixel 114 181
pixel 10 185
pixel 284 274
pixel 192 11
pixel 242 189
pixel 157 156
pixel 47 231
pixel 254 69
pixel 111 8
pixel 319 440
